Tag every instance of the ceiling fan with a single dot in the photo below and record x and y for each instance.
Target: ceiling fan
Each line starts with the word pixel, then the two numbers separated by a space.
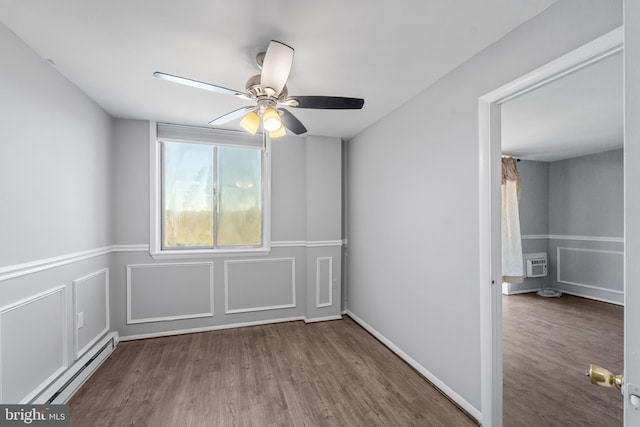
pixel 269 92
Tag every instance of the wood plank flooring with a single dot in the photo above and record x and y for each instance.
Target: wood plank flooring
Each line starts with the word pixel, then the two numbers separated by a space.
pixel 288 374
pixel 548 345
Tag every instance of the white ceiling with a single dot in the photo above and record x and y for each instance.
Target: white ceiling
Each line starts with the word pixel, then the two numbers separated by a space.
pixel 379 50
pixel 577 115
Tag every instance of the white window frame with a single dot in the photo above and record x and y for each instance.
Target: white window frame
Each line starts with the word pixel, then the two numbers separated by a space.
pixel 192 134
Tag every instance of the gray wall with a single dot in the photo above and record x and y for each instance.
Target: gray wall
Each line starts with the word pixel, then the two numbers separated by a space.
pixel 586 195
pixel 131 182
pixel 534 197
pixel 55 154
pixel 586 225
pixel 299 279
pixel 413 229
pixel 76 198
pixel 574 208
pixel 56 193
pixel 534 216
pixel 413 265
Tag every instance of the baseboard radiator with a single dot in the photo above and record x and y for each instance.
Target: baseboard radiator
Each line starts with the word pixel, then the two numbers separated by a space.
pixel 63 388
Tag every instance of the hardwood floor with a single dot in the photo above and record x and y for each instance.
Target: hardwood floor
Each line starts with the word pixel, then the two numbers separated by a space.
pixel 288 374
pixel 548 346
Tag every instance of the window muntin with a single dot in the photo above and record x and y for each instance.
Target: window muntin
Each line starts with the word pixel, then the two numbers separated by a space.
pixel 212 196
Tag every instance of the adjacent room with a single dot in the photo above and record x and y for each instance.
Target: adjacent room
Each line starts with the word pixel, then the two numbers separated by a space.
pixel 272 213
pixel 566 145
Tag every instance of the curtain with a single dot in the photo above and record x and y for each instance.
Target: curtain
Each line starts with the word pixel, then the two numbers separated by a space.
pixel 512 268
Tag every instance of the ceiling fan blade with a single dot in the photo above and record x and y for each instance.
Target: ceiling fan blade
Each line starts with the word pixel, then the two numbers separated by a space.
pixel 291 122
pixel 325 102
pixel 200 85
pixel 276 66
pixel 236 114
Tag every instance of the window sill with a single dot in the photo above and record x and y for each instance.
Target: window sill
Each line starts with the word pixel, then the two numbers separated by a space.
pixel 208 253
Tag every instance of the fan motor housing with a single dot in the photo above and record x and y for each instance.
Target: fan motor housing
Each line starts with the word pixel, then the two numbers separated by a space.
pixel 256 91
pixel 253 86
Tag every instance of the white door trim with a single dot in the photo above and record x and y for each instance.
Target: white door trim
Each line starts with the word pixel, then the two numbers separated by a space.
pixel 490 210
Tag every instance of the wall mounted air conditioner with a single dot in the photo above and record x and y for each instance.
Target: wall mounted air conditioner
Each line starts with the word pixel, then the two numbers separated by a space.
pixel 535 265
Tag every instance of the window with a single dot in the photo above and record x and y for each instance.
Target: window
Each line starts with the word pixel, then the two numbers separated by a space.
pixel 211 191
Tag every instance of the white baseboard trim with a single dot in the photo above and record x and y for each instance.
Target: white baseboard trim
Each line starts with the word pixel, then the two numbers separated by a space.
pixel 209 328
pixel 521 291
pixel 322 319
pixel 228 326
pixel 507 290
pixel 470 409
pixel 588 296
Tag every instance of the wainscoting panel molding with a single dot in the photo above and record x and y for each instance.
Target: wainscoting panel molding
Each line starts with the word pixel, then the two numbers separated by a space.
pixel 18 270
pixel 33 345
pixel 575 238
pixel 169 291
pixel 591 268
pixel 90 310
pixel 259 284
pixel 324 282
pixel 323 243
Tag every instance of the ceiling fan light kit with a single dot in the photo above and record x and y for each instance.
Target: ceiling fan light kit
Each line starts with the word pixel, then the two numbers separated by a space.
pixel 278 133
pixel 268 90
pixel 251 122
pixel 271 120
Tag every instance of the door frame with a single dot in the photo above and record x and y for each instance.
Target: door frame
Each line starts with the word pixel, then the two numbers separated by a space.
pixel 490 278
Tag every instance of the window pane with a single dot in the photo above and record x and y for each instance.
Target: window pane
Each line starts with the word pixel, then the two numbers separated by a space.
pixel 239 197
pixel 188 195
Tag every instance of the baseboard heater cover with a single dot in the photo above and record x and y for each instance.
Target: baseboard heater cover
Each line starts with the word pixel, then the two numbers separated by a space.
pixel 63 389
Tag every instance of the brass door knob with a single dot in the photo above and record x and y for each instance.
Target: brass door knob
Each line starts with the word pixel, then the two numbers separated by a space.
pixel 603 377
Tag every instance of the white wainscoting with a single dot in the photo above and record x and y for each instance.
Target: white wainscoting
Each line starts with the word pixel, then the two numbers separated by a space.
pixel 574 270
pixel 33 344
pixel 18 270
pixel 324 282
pixel 306 243
pixel 570 237
pixel 259 284
pixel 91 298
pixel 169 291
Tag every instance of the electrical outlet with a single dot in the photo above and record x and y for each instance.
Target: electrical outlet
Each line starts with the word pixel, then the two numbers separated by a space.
pixel 80 320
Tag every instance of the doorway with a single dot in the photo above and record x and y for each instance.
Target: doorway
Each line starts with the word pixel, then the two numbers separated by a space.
pixel 490 107
pixel 568 139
